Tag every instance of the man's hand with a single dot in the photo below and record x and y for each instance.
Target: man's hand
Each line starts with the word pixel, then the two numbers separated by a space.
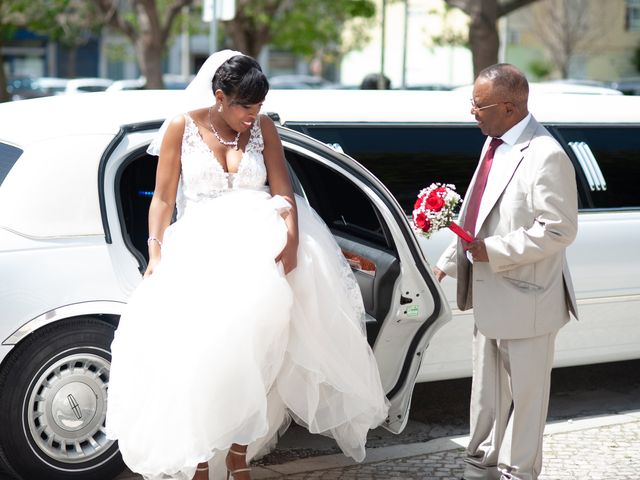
pixel 439 274
pixel 478 251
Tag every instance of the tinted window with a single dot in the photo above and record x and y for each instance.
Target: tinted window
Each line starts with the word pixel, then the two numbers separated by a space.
pixel 340 204
pixel 617 152
pixel 8 157
pixel 408 157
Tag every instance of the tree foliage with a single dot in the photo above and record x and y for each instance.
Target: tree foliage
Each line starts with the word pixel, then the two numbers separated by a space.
pixel 570 27
pixel 448 36
pixel 305 27
pixel 483 29
pixel 148 25
pixel 34 15
pixel 74 26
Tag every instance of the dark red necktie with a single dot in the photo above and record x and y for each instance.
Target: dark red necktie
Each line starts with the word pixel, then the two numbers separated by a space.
pixel 473 204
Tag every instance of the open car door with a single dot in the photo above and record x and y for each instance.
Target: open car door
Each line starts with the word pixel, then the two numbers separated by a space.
pixel 404 303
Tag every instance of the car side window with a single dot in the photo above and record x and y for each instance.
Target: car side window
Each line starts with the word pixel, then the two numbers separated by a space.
pixel 8 157
pixel 346 209
pixel 408 157
pixel 609 157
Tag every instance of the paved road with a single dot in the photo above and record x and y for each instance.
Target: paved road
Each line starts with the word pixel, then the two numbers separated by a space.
pixel 597 448
pixel 593 433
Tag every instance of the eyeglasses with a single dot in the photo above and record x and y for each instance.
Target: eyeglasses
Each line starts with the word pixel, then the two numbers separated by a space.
pixel 476 108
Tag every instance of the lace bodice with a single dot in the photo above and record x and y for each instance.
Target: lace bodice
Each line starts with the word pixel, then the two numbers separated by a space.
pixel 202 176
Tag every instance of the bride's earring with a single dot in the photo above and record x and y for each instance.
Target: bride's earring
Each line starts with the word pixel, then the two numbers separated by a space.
pixel 220 108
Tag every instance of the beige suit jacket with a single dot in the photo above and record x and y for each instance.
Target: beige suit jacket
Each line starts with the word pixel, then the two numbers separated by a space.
pixel 525 289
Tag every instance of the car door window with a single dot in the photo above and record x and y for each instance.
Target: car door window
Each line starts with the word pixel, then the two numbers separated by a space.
pixel 359 231
pixel 609 157
pixel 8 157
pixel 407 157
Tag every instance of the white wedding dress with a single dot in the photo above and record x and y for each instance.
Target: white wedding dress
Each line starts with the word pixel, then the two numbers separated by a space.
pixel 218 346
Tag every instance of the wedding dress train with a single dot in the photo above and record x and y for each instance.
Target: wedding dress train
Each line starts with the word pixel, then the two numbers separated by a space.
pixel 218 346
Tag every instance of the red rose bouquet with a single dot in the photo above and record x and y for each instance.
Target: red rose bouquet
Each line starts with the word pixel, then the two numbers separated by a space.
pixel 434 210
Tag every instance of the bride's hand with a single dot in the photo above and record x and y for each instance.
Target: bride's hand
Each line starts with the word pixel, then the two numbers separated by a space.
pixel 289 256
pixel 153 263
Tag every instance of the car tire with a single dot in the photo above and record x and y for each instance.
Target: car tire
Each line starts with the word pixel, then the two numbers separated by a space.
pixel 53 401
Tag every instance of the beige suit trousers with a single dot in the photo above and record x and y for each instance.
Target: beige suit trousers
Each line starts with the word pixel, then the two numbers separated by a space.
pixel 505 443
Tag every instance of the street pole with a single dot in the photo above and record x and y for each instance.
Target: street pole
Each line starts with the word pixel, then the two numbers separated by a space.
pixel 213 29
pixel 185 55
pixel 381 82
pixel 405 44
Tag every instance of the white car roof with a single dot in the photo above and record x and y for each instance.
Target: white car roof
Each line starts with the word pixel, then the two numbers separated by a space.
pixel 105 112
pixel 91 113
pixel 441 106
pixel 52 188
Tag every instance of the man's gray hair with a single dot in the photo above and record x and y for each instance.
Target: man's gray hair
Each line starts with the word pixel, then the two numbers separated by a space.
pixel 509 80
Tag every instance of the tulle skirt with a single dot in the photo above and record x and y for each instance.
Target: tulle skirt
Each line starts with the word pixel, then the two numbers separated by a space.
pixel 218 346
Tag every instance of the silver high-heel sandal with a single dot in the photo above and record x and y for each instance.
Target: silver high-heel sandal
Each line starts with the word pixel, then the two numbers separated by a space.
pixel 232 473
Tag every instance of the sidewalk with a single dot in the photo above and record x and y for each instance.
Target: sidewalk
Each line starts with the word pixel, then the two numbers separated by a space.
pixel 595 448
pixel 598 448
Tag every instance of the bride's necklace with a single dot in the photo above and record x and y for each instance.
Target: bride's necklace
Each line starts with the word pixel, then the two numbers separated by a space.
pixel 227 143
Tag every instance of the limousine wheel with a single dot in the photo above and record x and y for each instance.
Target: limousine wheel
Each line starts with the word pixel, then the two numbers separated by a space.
pixel 53 403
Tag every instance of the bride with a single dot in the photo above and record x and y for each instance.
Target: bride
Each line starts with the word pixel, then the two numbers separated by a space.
pixel 248 315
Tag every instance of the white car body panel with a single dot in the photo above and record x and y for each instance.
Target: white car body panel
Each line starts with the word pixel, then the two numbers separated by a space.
pixel 607 286
pixel 55 199
pixel 604 260
pixel 63 272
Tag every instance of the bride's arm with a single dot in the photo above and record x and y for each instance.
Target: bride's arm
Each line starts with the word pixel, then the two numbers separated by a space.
pixel 280 184
pixel 164 195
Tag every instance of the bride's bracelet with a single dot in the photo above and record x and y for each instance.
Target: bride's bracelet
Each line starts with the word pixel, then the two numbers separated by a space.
pixel 154 239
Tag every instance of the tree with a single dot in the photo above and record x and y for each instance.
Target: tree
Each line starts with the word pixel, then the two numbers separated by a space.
pixel 73 27
pixel 35 15
pixel 483 30
pixel 567 27
pixel 148 25
pixel 300 26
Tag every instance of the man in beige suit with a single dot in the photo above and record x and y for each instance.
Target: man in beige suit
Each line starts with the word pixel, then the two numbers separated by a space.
pixel 521 207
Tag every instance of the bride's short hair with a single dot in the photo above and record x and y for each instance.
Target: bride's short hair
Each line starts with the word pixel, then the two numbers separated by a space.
pixel 241 79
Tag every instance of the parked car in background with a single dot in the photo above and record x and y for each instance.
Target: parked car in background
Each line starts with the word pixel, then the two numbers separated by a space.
pixel 23 87
pixel 127 84
pixel 171 82
pixel 87 85
pixel 628 86
pixel 561 87
pixel 299 82
pixel 411 139
pixel 52 85
pixel 75 191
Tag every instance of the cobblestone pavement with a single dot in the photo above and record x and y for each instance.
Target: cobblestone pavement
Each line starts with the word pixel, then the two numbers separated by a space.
pixel 600 448
pixel 597 448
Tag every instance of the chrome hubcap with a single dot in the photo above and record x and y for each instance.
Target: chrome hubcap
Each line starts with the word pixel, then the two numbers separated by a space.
pixel 67 408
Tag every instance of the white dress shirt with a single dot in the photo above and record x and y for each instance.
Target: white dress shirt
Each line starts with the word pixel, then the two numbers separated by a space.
pixel 498 167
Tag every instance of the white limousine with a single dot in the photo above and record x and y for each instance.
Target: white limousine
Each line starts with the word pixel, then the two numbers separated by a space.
pixel 75 186
pixel 410 139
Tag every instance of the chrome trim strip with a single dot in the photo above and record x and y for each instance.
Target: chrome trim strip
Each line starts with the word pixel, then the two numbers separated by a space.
pixel 583 164
pixel 583 148
pixel 596 167
pixel 66 311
